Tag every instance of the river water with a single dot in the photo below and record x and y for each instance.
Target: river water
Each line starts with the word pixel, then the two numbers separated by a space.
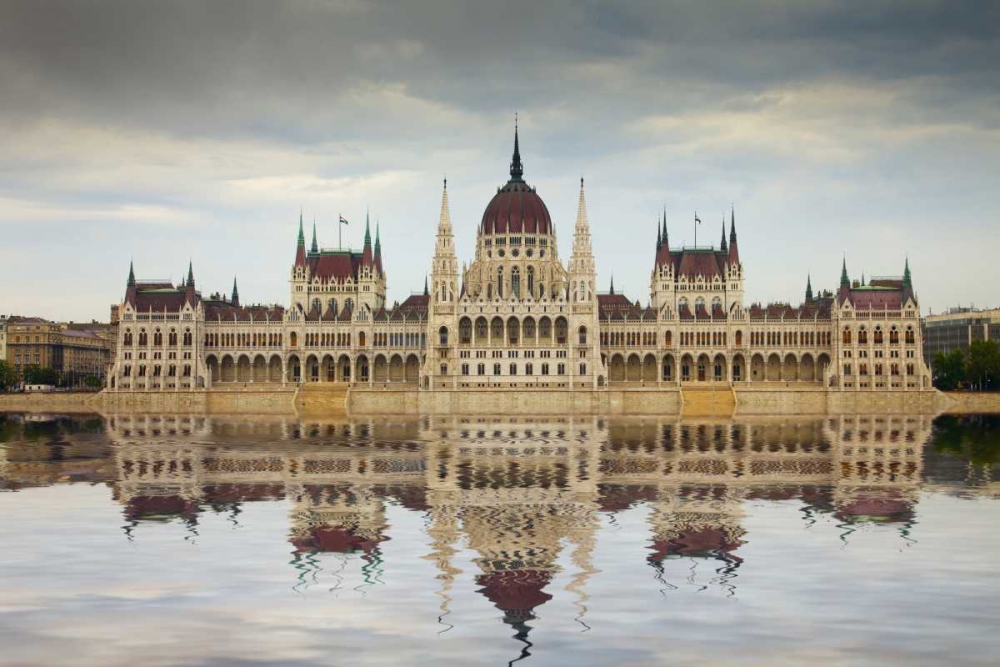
pixel 192 540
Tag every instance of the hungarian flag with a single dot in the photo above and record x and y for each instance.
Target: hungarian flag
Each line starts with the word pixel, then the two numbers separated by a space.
pixel 343 220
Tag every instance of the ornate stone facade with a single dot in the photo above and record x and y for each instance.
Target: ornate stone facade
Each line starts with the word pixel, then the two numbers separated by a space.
pixel 517 318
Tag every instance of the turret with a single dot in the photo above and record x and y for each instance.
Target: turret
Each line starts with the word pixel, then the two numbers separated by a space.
pixel 444 269
pixel 378 251
pixel 300 246
pixel 236 294
pixel 366 254
pixel 189 292
pixel 734 252
pixel 130 289
pixel 582 272
pixel 809 288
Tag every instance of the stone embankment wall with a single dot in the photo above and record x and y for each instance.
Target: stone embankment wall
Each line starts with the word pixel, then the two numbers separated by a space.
pixel 968 402
pixel 522 402
pixel 54 402
pixel 335 400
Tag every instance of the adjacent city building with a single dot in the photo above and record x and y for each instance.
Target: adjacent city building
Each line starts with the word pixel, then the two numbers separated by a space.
pixel 518 317
pixel 75 351
pixel 958 329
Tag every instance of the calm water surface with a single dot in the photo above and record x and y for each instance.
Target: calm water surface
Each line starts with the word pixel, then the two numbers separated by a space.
pixel 177 540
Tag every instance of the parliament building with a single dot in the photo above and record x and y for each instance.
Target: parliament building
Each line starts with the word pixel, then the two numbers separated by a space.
pixel 518 317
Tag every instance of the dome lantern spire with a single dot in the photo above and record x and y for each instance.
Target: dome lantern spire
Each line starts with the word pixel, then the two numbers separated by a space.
pixel 516 167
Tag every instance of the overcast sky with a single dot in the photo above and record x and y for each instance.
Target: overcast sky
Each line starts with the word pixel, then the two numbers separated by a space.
pixel 166 131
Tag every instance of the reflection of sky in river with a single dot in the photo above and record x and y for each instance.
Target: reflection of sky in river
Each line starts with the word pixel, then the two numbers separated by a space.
pixel 794 581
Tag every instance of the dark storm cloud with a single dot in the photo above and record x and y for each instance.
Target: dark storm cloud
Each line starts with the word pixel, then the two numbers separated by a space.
pixel 287 69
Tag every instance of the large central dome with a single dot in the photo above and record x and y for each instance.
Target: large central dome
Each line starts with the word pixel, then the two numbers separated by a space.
pixel 516 208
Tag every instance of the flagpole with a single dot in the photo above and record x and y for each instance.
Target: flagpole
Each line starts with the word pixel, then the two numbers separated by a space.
pixel 696 230
pixel 340 231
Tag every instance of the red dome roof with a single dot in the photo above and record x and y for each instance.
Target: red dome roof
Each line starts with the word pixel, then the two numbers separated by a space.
pixel 516 209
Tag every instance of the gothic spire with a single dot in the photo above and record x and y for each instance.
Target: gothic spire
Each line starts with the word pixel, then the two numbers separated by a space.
pixel 302 236
pixel 809 288
pixel 612 290
pixel 236 294
pixel 131 275
pixel 723 244
pixel 315 246
pixel 732 228
pixel 659 237
pixel 666 237
pixel 426 291
pixel 190 280
pixel 378 239
pixel 845 281
pixel 368 230
pixel 516 168
pixel 907 278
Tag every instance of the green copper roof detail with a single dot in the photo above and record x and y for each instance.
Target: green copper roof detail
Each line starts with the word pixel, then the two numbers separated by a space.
pixel 302 236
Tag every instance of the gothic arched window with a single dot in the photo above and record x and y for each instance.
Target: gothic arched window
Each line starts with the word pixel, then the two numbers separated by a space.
pixel 500 283
pixel 531 281
pixel 515 283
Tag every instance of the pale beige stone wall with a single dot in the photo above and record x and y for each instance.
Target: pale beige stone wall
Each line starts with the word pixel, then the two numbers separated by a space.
pixel 781 401
pixel 525 402
pixel 961 402
pixel 56 402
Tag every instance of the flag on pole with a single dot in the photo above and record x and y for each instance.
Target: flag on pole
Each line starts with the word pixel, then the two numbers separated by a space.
pixel 697 219
pixel 343 220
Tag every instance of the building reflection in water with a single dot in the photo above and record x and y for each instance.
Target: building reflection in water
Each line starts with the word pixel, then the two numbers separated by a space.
pixel 519 494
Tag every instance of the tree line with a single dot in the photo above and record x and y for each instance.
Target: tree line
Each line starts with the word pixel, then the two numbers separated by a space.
pixel 35 374
pixel 976 369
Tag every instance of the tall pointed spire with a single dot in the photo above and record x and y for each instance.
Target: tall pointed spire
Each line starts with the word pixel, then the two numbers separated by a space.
pixel 366 253
pixel 516 168
pixel 659 237
pixel 444 266
pixel 190 280
pixel 426 290
pixel 131 275
pixel 907 278
pixel 300 244
pixel 612 290
pixel 315 246
pixel 732 228
pixel 236 294
pixel 723 246
pixel 845 281
pixel 666 237
pixel 583 274
pixel 809 288
pixel 378 247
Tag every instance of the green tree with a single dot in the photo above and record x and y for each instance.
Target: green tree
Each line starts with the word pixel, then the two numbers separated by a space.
pixel 93 381
pixel 949 370
pixel 35 374
pixel 983 365
pixel 7 375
